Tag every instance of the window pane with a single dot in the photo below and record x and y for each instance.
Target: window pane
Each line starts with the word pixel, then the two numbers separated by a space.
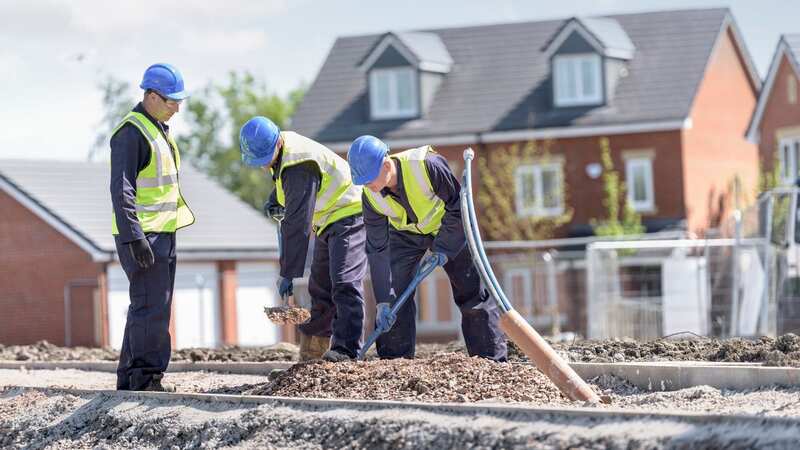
pixel 639 184
pixel 796 159
pixel 588 77
pixel 405 92
pixel 382 91
pixel 551 197
pixel 571 80
pixel 786 161
pixel 528 190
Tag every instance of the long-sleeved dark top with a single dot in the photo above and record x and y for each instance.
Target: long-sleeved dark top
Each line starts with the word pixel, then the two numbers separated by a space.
pixel 130 153
pixel 450 239
pixel 301 183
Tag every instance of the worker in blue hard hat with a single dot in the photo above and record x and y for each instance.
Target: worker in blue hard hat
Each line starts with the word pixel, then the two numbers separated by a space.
pixel 411 206
pixel 148 209
pixel 313 185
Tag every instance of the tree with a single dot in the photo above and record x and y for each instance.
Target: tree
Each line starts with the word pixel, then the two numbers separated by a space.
pixel 214 117
pixel 117 101
pixel 496 198
pixel 615 201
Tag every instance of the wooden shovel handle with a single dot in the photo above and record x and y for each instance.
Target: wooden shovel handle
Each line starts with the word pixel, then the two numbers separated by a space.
pixel 545 358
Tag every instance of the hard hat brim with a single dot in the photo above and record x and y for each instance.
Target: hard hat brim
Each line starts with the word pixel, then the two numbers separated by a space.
pixel 177 95
pixel 367 178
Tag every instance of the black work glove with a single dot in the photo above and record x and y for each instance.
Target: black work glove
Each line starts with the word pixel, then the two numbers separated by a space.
pixel 274 211
pixel 142 253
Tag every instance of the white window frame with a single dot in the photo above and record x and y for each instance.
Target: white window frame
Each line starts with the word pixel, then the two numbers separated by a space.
pixel 559 74
pixel 789 155
pixel 393 111
pixel 646 163
pixel 538 209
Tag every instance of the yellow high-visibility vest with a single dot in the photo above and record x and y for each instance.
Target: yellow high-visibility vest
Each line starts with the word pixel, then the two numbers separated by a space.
pixel 337 197
pixel 160 206
pixel 427 206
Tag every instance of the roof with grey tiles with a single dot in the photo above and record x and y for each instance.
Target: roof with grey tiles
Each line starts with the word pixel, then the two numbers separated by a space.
pixel 76 193
pixel 500 79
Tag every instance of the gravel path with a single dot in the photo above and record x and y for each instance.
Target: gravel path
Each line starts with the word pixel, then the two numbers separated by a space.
pixel 33 420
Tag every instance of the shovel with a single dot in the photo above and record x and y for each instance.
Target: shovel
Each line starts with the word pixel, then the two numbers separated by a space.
pixel 384 321
pixel 289 312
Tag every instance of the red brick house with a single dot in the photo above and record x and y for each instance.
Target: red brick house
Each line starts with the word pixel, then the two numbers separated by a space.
pixel 673 91
pixel 775 125
pixel 60 279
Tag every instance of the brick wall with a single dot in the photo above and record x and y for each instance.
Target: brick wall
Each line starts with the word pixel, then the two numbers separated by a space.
pixel 779 113
pixel 715 148
pixel 36 263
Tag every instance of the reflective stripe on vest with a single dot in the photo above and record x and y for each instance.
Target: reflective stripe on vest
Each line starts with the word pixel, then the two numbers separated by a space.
pixel 337 197
pixel 427 206
pixel 160 207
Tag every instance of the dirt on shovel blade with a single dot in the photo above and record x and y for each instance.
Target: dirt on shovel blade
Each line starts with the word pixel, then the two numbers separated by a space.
pixel 285 314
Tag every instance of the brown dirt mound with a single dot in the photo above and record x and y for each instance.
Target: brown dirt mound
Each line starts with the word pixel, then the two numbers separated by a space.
pixel 452 377
pixel 783 351
pixel 45 351
pixel 282 315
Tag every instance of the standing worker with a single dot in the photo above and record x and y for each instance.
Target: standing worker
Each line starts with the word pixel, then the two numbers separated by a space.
pixel 412 205
pixel 148 209
pixel 313 185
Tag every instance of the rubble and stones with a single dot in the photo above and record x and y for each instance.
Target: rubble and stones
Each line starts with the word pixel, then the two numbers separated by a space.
pixel 448 377
pixel 282 315
pixel 781 351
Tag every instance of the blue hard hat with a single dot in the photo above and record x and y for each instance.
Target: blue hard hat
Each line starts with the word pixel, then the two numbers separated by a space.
pixel 366 157
pixel 257 140
pixel 164 79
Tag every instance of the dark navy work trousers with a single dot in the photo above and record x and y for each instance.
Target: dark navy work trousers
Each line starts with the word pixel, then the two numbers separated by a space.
pixel 336 285
pixel 479 313
pixel 146 345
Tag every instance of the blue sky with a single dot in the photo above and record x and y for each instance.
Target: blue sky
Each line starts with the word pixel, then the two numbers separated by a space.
pixel 53 53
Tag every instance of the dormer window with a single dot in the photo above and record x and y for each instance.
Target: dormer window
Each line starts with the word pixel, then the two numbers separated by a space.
pixel 577 79
pixel 393 93
pixel 588 57
pixel 404 71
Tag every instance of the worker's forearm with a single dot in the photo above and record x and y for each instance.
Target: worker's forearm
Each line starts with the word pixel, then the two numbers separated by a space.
pixel 300 186
pixel 450 239
pixel 125 163
pixel 377 227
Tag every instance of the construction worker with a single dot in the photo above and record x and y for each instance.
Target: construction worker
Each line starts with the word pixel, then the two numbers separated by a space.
pixel 148 209
pixel 412 206
pixel 313 185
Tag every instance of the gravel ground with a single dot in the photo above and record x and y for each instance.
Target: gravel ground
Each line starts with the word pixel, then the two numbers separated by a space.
pixel 781 351
pixel 35 420
pixel 455 378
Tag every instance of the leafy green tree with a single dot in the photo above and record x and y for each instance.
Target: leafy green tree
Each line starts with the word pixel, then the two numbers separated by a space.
pixel 117 101
pixel 214 117
pixel 615 201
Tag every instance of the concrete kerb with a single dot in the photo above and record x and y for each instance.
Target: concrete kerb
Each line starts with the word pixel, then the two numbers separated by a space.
pixel 672 376
pixel 651 376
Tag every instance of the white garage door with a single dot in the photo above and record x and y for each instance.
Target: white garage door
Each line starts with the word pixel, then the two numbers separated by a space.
pixel 195 305
pixel 255 291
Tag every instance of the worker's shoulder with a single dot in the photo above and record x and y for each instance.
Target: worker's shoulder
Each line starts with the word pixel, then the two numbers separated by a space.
pixel 125 133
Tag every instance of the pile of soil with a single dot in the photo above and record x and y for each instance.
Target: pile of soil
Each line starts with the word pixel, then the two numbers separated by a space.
pixel 282 315
pixel 45 351
pixel 781 351
pixel 449 377
pixel 232 353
